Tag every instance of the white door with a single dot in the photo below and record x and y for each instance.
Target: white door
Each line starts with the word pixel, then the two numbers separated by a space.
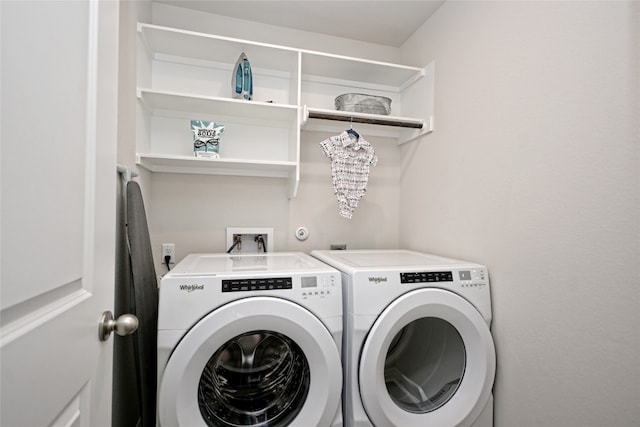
pixel 59 119
pixel 429 359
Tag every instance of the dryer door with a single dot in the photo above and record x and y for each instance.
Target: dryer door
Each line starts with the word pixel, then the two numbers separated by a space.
pixel 429 359
pixel 259 361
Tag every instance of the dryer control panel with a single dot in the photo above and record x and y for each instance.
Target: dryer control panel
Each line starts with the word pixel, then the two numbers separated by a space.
pixel 466 278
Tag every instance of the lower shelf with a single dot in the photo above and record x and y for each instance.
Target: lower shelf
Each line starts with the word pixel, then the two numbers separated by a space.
pixel 237 167
pixel 221 166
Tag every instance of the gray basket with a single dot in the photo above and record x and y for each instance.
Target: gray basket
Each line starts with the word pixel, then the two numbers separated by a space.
pixel 361 103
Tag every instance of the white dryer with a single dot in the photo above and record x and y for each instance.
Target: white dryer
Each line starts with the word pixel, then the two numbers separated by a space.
pixel 417 349
pixel 250 340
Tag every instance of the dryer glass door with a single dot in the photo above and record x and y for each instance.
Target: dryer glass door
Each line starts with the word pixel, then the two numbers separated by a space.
pixel 424 365
pixel 428 359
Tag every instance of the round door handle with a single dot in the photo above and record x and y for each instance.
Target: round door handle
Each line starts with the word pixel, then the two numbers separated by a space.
pixel 125 324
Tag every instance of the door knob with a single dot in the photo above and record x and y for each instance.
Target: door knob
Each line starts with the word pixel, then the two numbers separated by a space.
pixel 125 324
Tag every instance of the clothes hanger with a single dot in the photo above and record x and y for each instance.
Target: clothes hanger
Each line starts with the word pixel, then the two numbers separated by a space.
pixel 352 131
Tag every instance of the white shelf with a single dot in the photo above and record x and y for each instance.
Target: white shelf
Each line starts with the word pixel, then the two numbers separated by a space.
pixel 404 129
pixel 210 166
pixel 186 75
pixel 157 100
pixel 374 119
pixel 208 47
pixel 221 166
pixel 361 72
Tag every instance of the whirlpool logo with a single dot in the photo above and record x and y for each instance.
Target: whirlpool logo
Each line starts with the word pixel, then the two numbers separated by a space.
pixel 191 288
pixel 377 280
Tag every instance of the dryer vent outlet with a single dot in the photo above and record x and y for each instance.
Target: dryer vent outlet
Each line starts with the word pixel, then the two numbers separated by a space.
pixel 249 240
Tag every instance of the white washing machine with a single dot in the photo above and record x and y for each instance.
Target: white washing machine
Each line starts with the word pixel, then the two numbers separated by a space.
pixel 417 349
pixel 250 340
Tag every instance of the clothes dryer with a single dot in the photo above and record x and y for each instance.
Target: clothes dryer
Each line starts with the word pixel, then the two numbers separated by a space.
pixel 417 350
pixel 250 340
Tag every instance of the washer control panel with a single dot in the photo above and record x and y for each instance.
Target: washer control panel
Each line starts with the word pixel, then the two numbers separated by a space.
pixel 266 284
pixel 309 286
pixel 473 277
pixel 426 277
pixel 318 286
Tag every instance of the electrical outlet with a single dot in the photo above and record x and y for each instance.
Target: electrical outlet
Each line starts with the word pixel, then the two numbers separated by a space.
pixel 169 249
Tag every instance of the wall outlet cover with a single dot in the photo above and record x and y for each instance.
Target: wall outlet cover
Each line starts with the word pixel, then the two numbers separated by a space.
pixel 249 243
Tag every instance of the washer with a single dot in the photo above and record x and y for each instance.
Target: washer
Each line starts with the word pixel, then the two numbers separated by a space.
pixel 417 349
pixel 250 340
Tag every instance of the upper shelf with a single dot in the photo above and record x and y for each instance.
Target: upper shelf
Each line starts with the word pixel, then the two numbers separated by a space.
pixel 360 71
pixel 209 47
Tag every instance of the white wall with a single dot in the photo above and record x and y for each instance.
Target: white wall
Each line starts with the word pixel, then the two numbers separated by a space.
pixel 533 171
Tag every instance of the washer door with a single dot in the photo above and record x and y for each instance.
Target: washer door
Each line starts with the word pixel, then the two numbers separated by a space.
pixel 429 359
pixel 259 361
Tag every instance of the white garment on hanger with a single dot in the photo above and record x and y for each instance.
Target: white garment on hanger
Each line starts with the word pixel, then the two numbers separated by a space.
pixel 351 158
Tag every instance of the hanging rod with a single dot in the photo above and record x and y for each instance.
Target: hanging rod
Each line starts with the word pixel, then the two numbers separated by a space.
pixel 376 120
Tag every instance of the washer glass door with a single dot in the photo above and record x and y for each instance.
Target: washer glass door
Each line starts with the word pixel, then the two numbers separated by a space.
pixel 429 359
pixel 257 378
